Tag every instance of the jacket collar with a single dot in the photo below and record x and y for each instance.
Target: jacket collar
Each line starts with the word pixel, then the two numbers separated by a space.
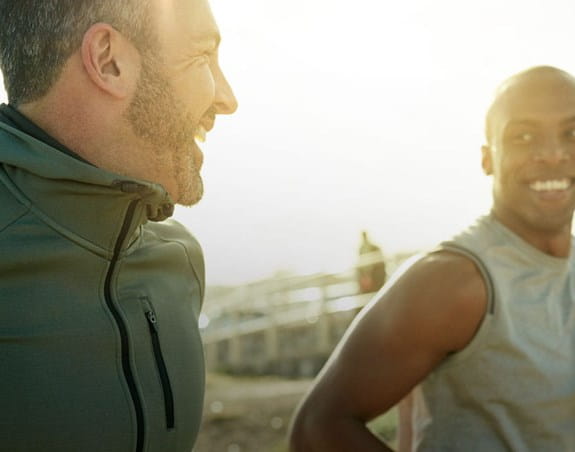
pixel 81 201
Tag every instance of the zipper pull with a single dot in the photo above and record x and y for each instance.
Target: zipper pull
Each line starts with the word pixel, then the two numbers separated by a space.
pixel 152 320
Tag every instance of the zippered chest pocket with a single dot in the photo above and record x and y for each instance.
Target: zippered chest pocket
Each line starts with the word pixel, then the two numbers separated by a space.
pixel 154 329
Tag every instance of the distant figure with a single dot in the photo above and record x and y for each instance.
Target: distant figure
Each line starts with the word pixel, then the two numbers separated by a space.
pixel 371 271
pixel 481 331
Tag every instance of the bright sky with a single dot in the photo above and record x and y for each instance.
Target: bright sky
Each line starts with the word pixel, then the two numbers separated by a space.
pixel 357 115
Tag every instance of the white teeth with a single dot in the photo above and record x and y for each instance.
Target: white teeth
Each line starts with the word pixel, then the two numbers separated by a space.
pixel 200 134
pixel 548 185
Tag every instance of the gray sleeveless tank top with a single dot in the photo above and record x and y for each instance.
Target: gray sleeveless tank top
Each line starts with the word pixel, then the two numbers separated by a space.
pixel 513 387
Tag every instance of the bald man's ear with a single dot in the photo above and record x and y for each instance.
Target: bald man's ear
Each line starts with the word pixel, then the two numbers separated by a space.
pixel 487 159
pixel 110 60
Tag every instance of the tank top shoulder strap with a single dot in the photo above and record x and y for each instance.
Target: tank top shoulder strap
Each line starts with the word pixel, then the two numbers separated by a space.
pixel 456 248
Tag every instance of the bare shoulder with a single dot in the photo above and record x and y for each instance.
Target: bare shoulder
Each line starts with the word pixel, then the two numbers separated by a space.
pixel 429 309
pixel 441 292
pixel 447 271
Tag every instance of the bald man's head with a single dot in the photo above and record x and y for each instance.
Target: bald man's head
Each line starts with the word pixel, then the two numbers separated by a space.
pixel 530 152
pixel 531 82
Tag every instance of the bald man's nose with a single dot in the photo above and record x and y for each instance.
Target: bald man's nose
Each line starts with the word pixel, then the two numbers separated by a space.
pixel 553 151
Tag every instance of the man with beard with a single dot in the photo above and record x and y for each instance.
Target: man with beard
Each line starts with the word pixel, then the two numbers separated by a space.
pixel 99 292
pixel 478 336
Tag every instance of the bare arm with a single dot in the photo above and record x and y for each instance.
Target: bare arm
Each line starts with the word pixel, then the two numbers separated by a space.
pixel 432 309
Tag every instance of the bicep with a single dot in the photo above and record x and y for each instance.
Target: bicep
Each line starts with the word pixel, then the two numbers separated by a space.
pixel 398 339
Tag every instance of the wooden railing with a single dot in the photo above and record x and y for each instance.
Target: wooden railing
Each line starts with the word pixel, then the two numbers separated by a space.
pixel 284 325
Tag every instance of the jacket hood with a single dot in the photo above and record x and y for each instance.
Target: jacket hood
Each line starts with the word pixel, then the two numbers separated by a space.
pixel 83 202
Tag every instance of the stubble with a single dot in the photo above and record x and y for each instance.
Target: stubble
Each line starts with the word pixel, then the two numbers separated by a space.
pixel 163 123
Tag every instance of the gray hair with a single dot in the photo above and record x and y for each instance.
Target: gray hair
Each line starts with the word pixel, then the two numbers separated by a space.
pixel 38 36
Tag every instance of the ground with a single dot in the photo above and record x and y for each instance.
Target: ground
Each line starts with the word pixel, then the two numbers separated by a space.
pixel 252 414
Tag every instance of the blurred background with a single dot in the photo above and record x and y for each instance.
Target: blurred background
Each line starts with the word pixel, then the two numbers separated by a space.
pixel 357 115
pixel 353 116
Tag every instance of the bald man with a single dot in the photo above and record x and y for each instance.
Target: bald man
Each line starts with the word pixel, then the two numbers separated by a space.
pixel 480 333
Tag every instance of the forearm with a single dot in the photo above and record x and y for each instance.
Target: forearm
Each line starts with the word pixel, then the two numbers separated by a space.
pixel 347 435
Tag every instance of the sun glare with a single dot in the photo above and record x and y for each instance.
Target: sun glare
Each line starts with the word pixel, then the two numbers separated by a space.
pixel 356 116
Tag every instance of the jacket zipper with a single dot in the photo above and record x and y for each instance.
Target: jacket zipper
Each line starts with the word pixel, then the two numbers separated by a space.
pixel 125 348
pixel 162 370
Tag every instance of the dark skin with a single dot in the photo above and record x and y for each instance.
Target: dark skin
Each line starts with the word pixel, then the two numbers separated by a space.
pixel 430 311
pixel 435 307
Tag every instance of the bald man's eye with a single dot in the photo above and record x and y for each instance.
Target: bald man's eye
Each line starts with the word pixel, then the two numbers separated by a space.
pixel 523 138
pixel 570 134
